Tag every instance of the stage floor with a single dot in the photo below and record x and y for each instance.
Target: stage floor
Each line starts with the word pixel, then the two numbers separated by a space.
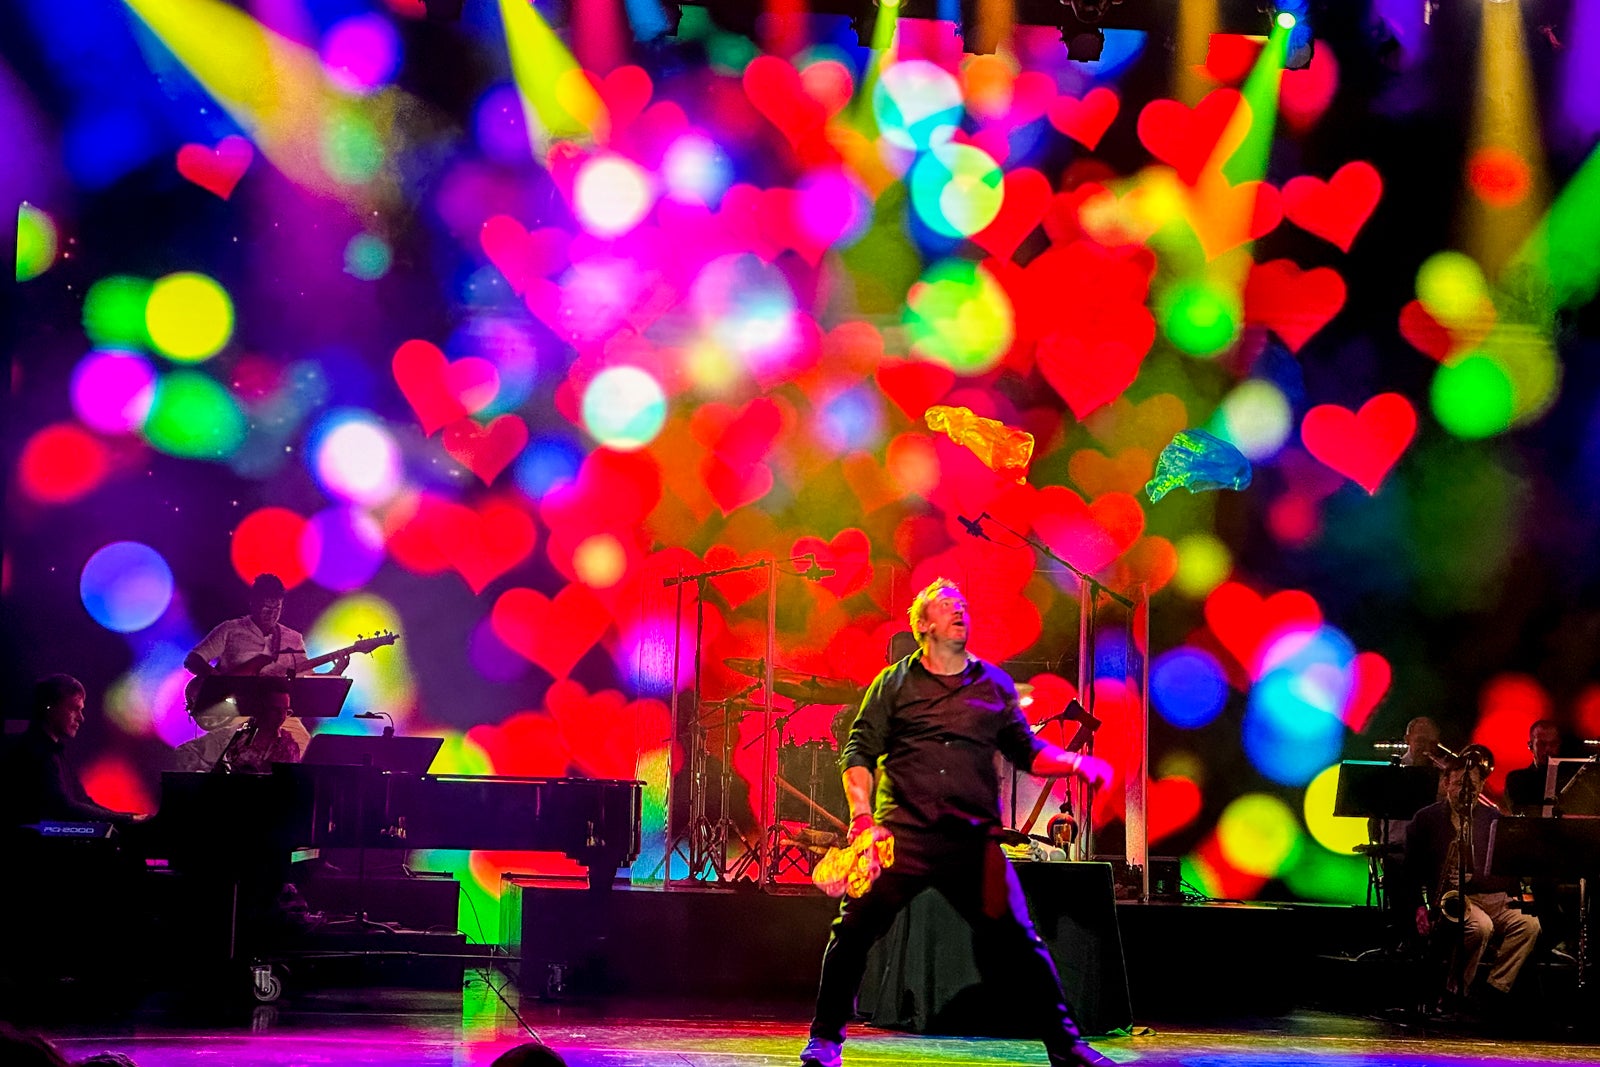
pixel 404 1027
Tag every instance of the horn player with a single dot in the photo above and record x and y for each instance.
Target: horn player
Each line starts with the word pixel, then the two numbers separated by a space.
pixel 1447 850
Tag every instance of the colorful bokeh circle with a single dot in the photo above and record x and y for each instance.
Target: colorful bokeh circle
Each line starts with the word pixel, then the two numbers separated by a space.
pixel 36 242
pixel 126 586
pixel 917 104
pixel 956 189
pixel 189 317
pixel 624 408
pixel 959 315
pixel 61 463
pixel 113 391
pixel 1473 398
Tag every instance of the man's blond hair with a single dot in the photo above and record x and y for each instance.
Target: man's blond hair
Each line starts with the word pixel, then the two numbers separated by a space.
pixel 919 605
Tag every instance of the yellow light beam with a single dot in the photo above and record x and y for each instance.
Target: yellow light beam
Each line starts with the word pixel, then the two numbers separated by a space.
pixel 1504 117
pixel 271 86
pixel 558 102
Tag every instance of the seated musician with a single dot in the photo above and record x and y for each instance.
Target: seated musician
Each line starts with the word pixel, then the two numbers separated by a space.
pixel 1482 906
pixel 249 748
pixel 254 638
pixel 1525 787
pixel 36 780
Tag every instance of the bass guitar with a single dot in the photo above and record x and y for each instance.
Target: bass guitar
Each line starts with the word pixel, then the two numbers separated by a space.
pixel 255 664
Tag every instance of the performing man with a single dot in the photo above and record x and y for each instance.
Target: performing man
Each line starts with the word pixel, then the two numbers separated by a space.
pixel 1525 787
pixel 231 648
pixel 1434 850
pixel 931 724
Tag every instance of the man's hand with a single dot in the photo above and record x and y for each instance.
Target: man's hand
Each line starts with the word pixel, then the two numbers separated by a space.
pixel 1096 771
pixel 870 851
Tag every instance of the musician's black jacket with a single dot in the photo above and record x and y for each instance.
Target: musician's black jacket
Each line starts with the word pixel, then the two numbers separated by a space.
pixel 1525 789
pixel 935 737
pixel 1428 845
pixel 37 782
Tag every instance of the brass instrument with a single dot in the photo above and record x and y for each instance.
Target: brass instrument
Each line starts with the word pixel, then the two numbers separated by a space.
pixel 1450 905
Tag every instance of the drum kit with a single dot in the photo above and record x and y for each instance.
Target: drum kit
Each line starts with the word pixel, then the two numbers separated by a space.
pixel 809 806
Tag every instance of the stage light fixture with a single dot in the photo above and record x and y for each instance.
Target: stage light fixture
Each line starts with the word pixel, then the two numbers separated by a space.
pixel 443 10
pixel 1293 17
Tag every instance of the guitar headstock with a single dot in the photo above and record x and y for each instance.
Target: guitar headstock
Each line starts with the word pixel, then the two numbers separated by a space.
pixel 377 640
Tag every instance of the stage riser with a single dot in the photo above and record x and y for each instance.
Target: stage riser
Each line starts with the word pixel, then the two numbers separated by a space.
pixel 756 946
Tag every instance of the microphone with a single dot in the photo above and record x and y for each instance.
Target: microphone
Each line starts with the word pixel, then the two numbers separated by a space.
pixel 975 526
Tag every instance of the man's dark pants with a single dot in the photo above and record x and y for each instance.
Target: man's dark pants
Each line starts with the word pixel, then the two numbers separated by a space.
pixel 980 884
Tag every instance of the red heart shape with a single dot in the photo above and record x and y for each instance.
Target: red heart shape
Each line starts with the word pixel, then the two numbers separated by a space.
pixel 480 544
pixel 1225 216
pixel 733 486
pixel 1089 536
pixel 737 588
pixel 775 89
pixel 1303 95
pixel 1425 332
pixel 422 373
pixel 486 450
pixel 1336 209
pixel 473 381
pixel 526 744
pixel 849 554
pixel 606 732
pixel 1086 120
pixel 1171 804
pixel 553 633
pixel 626 92
pixel 1247 625
pixel 1087 378
pixel 1291 302
pixel 1361 445
pixel 1026 198
pixel 914 386
pixel 1230 57
pixel 523 257
pixel 1370 675
pixel 1187 138
pixel 217 170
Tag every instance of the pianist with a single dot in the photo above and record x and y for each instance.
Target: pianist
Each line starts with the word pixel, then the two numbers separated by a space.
pixel 37 783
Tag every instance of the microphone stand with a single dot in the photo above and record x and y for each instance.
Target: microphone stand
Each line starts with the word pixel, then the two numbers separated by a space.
pixel 707 844
pixel 1090 589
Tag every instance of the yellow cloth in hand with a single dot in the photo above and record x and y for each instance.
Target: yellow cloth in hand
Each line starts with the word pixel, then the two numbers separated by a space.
pixel 845 870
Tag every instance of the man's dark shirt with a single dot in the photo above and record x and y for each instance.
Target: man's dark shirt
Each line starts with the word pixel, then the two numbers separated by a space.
pixel 1428 846
pixel 37 782
pixel 935 737
pixel 1525 789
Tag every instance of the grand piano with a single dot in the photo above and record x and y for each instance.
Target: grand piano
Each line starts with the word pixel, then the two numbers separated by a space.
pixel 209 818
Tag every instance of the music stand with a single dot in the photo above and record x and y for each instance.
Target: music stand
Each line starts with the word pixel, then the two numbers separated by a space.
pixel 311 696
pixel 1378 790
pixel 1382 791
pixel 406 755
pixel 1581 794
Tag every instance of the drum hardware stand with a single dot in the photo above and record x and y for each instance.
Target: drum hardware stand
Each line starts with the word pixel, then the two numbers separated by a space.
pixel 702 845
pixel 775 842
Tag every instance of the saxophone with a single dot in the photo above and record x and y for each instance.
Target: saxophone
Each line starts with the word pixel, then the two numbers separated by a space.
pixel 1450 905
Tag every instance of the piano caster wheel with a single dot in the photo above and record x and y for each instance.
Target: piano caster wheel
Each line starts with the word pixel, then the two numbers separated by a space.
pixel 264 985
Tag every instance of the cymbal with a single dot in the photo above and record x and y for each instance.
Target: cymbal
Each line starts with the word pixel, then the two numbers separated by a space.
pixel 813 688
pixel 747 666
pixel 798 685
